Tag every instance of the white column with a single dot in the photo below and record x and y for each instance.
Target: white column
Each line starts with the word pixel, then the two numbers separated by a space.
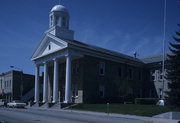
pixel 36 94
pixel 45 84
pixel 68 80
pixel 55 82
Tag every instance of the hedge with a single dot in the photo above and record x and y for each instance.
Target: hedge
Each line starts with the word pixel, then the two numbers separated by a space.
pixel 149 101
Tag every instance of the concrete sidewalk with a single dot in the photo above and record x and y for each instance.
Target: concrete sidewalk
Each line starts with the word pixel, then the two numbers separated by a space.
pixel 142 118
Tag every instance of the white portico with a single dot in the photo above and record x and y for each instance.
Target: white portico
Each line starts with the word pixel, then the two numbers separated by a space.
pixel 53 50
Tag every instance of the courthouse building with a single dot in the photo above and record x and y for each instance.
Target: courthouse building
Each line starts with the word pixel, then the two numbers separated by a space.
pixel 81 73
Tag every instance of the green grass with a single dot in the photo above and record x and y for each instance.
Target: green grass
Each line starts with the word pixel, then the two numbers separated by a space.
pixel 132 109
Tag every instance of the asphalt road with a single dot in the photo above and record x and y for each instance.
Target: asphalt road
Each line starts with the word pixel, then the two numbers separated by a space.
pixel 8 115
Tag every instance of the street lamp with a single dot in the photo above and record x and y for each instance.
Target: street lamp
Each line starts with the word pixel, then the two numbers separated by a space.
pixel 21 87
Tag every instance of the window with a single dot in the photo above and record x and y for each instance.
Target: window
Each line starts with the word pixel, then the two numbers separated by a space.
pixel 130 74
pixel 140 74
pixel 160 92
pixel 120 72
pixel 49 47
pixel 101 91
pixel 153 77
pixel 9 83
pixel 4 84
pixel 57 20
pixel 1 83
pixel 51 21
pixel 101 68
pixel 76 68
pixel 63 22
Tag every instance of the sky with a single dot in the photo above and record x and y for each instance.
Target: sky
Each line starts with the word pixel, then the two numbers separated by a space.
pixel 124 26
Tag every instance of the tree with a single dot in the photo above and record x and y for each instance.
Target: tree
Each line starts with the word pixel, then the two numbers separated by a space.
pixel 173 71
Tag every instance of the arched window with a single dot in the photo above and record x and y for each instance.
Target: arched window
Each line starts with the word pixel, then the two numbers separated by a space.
pixel 56 20
pixel 63 22
pixel 51 21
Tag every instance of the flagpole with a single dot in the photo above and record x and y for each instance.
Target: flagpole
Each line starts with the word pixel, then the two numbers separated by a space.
pixel 164 38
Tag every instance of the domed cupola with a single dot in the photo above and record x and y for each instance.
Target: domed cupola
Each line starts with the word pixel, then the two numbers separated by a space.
pixel 59 22
pixel 59 16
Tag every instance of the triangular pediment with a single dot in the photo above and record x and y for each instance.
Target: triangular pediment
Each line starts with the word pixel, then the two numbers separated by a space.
pixel 48 45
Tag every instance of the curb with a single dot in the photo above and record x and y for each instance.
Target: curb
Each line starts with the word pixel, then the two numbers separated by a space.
pixel 142 118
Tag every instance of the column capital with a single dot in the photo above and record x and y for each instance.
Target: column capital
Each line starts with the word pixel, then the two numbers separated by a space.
pixel 44 62
pixel 55 59
pixel 68 54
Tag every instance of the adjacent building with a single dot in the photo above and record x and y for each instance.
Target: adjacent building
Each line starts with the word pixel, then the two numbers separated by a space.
pixel 81 73
pixel 16 85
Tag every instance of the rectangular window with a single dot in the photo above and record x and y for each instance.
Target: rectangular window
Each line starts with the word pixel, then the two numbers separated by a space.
pixel 102 68
pixel 140 75
pixel 153 77
pixel 1 83
pixel 49 47
pixel 75 68
pixel 130 74
pixel 161 77
pixel 4 84
pixel 120 72
pixel 101 91
pixel 9 83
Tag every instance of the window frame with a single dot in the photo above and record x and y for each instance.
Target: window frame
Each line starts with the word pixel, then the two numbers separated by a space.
pixel 102 68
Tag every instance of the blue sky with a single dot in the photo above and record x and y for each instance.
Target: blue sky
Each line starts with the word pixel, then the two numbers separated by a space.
pixel 121 25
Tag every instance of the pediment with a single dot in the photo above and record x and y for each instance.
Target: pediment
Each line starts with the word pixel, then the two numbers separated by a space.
pixel 48 45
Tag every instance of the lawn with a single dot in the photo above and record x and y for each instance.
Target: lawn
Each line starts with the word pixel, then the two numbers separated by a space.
pixel 132 109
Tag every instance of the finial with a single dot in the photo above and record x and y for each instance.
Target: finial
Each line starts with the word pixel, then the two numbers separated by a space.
pixel 135 54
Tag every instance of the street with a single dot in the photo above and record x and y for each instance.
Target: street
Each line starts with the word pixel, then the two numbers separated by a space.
pixel 10 115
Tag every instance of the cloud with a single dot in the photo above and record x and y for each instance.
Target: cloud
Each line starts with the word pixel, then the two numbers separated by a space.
pixel 123 42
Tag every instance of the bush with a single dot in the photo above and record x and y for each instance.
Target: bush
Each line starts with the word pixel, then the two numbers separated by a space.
pixel 149 101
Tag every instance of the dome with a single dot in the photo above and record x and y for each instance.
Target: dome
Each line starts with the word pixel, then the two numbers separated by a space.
pixel 59 8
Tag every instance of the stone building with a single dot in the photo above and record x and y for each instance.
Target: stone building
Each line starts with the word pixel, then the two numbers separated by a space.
pixel 82 73
pixel 15 85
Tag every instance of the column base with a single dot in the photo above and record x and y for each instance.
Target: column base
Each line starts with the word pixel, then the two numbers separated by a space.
pixel 67 101
pixel 54 101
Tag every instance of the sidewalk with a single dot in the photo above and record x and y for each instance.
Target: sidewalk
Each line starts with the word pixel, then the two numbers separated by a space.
pixel 142 118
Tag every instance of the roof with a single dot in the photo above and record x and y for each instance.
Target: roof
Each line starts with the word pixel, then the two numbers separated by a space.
pixel 81 45
pixel 103 50
pixel 59 8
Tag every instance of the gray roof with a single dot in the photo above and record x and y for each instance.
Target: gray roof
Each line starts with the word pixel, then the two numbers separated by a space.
pixel 103 50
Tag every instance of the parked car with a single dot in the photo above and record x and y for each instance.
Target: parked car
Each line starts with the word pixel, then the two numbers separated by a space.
pixel 2 103
pixel 16 104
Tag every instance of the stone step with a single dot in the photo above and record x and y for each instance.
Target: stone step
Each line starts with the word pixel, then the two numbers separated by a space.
pixel 56 106
pixel 35 105
pixel 45 105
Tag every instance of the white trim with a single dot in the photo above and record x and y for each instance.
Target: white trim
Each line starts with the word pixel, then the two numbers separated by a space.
pixel 45 41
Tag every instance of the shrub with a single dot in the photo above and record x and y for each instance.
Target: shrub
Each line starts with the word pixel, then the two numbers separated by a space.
pixel 149 101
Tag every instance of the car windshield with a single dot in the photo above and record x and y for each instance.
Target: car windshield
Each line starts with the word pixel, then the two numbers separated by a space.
pixel 17 101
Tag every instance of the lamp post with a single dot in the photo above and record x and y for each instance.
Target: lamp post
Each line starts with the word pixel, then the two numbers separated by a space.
pixel 21 84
